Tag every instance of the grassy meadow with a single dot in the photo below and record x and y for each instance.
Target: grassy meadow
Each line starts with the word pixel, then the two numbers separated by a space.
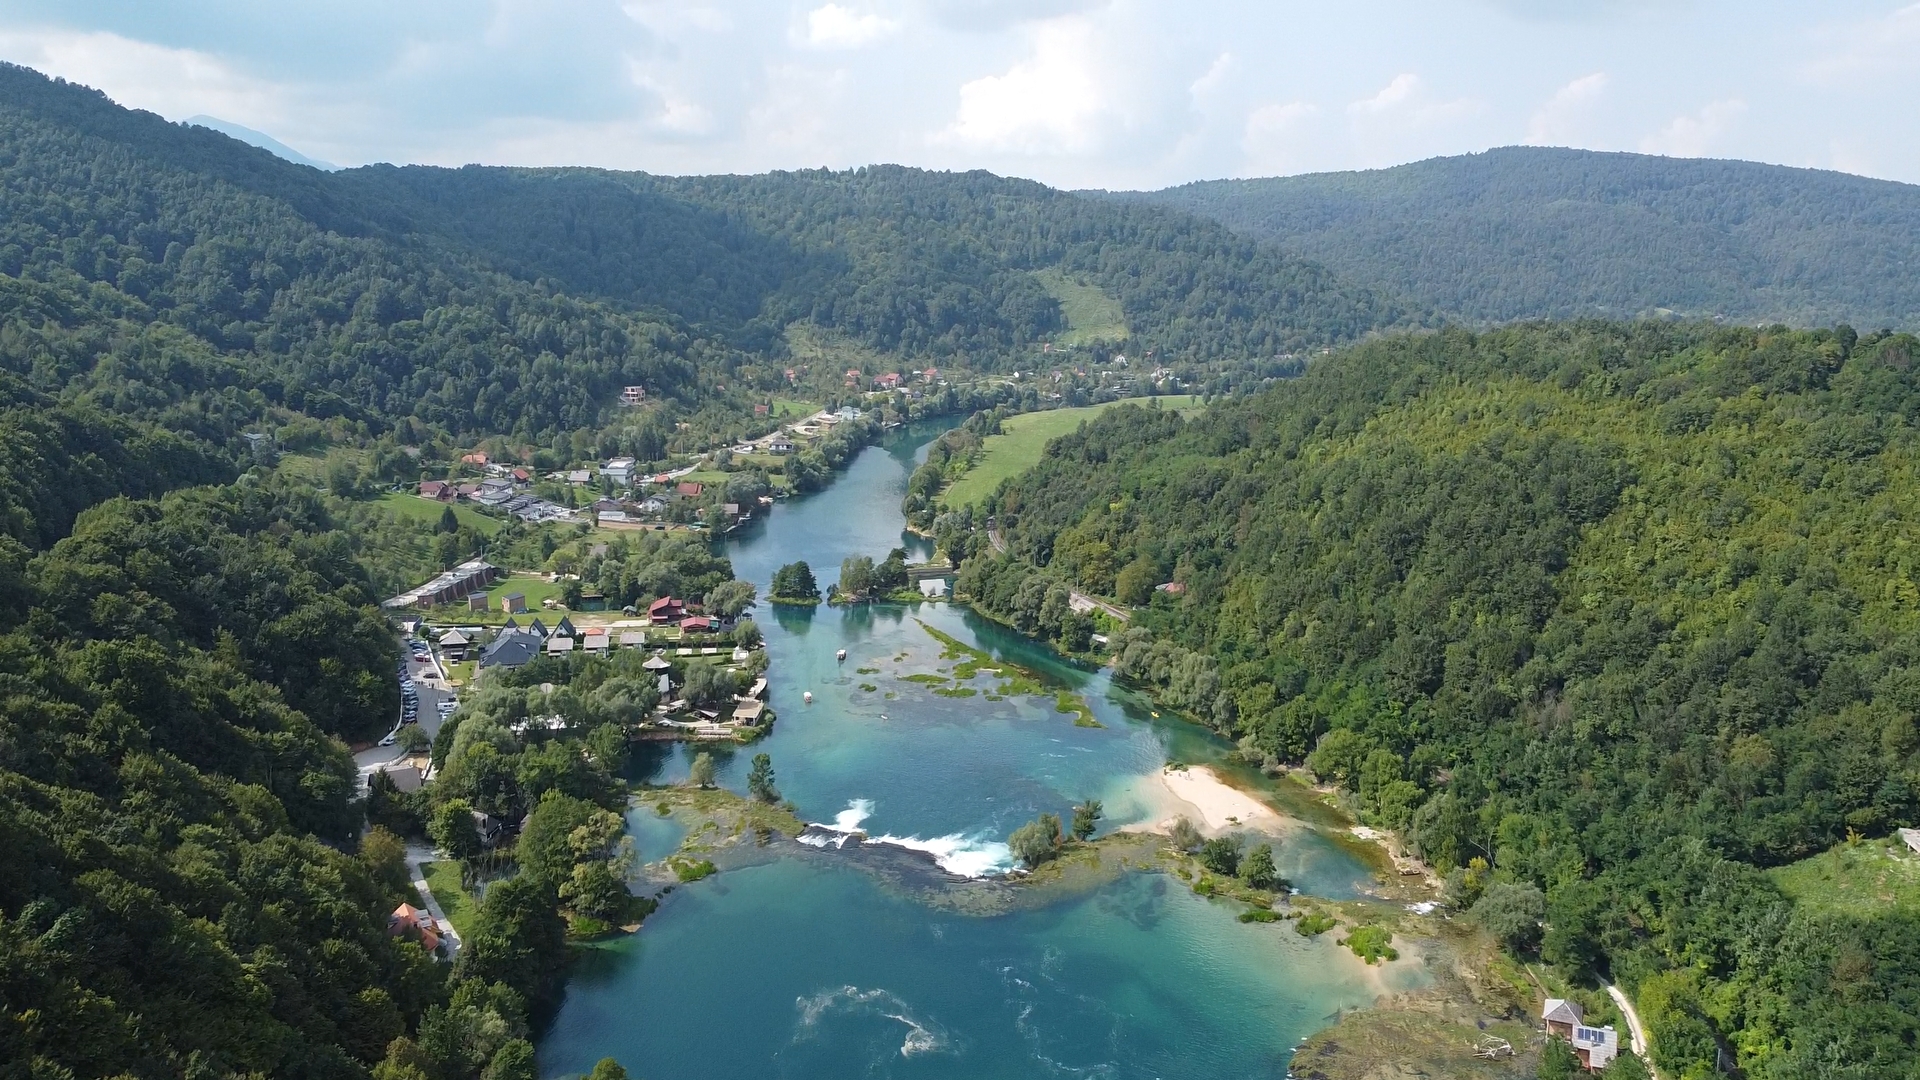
pixel 1023 439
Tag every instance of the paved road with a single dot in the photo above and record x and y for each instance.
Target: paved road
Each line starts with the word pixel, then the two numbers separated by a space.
pixel 429 679
pixel 1078 600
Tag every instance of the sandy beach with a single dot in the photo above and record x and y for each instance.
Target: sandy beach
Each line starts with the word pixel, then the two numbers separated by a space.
pixel 1198 793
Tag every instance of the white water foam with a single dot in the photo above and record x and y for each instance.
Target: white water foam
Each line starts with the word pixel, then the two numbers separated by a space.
pixel 921 1038
pixel 956 853
pixel 856 812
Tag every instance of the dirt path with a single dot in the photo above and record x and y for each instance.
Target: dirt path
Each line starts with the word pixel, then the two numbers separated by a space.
pixel 1633 1024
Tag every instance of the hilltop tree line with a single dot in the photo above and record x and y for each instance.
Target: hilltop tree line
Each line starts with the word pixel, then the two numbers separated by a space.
pixel 1624 612
pixel 1539 232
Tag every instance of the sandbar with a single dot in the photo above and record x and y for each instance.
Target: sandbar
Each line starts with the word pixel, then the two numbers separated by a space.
pixel 1198 793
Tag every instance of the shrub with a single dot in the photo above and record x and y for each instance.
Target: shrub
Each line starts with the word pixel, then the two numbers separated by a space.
pixel 1314 924
pixel 1513 914
pixel 1371 943
pixel 1221 855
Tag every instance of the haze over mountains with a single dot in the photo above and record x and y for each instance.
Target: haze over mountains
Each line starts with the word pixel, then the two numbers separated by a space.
pixel 1529 232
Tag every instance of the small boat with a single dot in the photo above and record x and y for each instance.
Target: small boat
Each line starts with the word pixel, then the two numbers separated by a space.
pixel 807 697
pixel 841 655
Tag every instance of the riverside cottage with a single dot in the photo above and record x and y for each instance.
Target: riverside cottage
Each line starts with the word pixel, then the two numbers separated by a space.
pixel 1596 1047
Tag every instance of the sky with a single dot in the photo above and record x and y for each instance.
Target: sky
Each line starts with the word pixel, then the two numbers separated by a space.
pixel 1076 93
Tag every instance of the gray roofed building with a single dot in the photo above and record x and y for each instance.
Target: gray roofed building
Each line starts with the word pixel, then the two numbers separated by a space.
pixel 511 649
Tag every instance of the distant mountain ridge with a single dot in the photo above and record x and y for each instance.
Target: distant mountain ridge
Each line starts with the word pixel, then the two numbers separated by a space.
pixel 1533 232
pixel 260 139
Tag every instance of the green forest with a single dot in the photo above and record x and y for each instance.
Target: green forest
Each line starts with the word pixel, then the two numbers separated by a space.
pixel 1526 232
pixel 1625 612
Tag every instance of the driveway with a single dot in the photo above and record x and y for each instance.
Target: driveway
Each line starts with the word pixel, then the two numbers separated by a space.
pixel 418 855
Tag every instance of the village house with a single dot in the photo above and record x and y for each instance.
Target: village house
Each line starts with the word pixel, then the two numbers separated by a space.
pixel 780 446
pixel 696 624
pixel 595 640
pixel 620 471
pixel 631 396
pixel 453 644
pixel 512 649
pixel 410 922
pixel 437 490
pixel 513 603
pixel 477 602
pixel 559 645
pixel 889 381
pixel 1596 1047
pixel 688 489
pixel 666 611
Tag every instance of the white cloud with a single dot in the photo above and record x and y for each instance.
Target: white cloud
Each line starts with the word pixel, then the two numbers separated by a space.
pixel 1274 137
pixel 1695 134
pixel 1268 121
pixel 1876 48
pixel 1053 101
pixel 1392 96
pixel 1075 92
pixel 832 26
pixel 176 83
pixel 1406 99
pixel 1554 123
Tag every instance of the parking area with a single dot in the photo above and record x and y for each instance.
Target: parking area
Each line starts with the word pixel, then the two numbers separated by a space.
pixel 429 690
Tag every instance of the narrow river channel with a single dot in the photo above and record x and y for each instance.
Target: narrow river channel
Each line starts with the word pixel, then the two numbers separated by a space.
pixel 808 965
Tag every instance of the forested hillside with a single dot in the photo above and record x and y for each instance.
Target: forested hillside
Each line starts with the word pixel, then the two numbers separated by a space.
pixel 1527 233
pixel 1627 611
pixel 188 638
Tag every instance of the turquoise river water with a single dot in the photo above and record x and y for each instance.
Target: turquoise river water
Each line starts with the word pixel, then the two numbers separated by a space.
pixel 806 965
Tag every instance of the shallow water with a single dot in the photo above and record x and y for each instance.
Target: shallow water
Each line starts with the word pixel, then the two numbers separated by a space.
pixel 809 968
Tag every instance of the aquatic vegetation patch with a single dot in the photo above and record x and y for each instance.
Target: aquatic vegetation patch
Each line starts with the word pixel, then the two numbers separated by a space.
pixel 1066 701
pixel 1313 924
pixel 1261 915
pixel 955 691
pixel 866 671
pixel 690 869
pixel 1372 944
pixel 1016 682
pixel 868 687
pixel 924 677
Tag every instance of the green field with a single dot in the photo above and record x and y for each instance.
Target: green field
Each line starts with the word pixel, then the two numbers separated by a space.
pixel 535 588
pixel 1868 878
pixel 1023 439
pixel 785 408
pixel 444 879
pixel 426 510
pixel 1091 314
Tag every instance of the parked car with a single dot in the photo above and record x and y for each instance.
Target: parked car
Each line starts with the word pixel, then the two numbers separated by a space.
pixel 388 741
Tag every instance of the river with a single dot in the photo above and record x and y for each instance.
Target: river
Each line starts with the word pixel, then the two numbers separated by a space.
pixel 809 966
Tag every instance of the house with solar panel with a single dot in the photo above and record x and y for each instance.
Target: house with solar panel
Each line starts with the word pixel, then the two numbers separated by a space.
pixel 1596 1047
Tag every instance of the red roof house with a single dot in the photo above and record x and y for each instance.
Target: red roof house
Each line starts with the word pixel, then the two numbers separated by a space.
pixel 699 624
pixel 665 610
pixel 688 488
